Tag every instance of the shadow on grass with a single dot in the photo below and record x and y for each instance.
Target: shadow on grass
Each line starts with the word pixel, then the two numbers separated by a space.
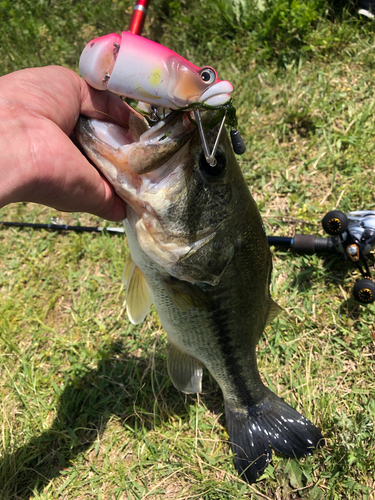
pixel 117 386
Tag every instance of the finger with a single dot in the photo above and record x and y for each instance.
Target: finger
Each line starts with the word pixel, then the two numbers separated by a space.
pixel 114 208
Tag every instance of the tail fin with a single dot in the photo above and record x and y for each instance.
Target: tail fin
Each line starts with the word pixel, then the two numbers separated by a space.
pixel 271 423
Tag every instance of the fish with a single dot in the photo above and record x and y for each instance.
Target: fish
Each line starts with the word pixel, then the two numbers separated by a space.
pixel 199 253
pixel 141 69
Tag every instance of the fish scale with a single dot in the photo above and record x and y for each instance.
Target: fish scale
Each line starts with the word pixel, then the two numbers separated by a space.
pixel 200 254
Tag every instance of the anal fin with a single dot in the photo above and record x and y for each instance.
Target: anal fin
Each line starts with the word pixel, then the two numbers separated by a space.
pixel 185 371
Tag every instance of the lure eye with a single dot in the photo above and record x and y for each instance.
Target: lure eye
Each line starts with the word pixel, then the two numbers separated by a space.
pixel 208 75
pixel 213 171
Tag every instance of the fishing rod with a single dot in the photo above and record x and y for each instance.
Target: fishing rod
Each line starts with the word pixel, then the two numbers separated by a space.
pixel 138 17
pixel 351 235
pixel 56 225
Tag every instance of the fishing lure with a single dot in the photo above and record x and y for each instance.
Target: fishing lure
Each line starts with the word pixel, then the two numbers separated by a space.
pixel 136 67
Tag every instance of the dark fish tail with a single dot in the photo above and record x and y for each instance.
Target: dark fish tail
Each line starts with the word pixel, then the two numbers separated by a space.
pixel 272 423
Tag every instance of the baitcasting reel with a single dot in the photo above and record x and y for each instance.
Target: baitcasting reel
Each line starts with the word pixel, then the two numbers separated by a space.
pixel 352 234
pixel 355 238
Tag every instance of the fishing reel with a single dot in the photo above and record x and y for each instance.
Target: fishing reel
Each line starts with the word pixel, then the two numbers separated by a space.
pixel 355 238
pixel 352 235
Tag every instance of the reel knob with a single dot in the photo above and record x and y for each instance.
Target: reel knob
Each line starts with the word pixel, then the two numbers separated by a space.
pixel 364 291
pixel 335 222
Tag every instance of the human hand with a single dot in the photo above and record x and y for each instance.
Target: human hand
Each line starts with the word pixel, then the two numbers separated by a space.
pixel 38 161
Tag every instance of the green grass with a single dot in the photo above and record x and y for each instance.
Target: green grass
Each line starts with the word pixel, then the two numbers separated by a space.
pixel 86 406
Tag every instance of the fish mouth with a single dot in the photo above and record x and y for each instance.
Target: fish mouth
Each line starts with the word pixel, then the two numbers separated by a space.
pixel 136 148
pixel 156 171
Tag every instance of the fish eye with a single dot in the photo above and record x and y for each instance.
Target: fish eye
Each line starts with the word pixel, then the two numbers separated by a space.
pixel 216 170
pixel 208 75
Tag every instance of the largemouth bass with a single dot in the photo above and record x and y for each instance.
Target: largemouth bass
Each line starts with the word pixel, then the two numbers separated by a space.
pixel 199 253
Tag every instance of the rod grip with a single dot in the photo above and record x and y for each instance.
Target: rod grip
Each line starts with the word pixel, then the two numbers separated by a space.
pixel 306 243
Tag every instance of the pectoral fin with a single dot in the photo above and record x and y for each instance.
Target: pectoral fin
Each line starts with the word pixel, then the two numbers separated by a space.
pixel 127 269
pixel 185 295
pixel 138 296
pixel 185 371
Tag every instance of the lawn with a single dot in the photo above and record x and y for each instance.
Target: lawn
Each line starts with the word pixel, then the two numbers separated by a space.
pixel 86 406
